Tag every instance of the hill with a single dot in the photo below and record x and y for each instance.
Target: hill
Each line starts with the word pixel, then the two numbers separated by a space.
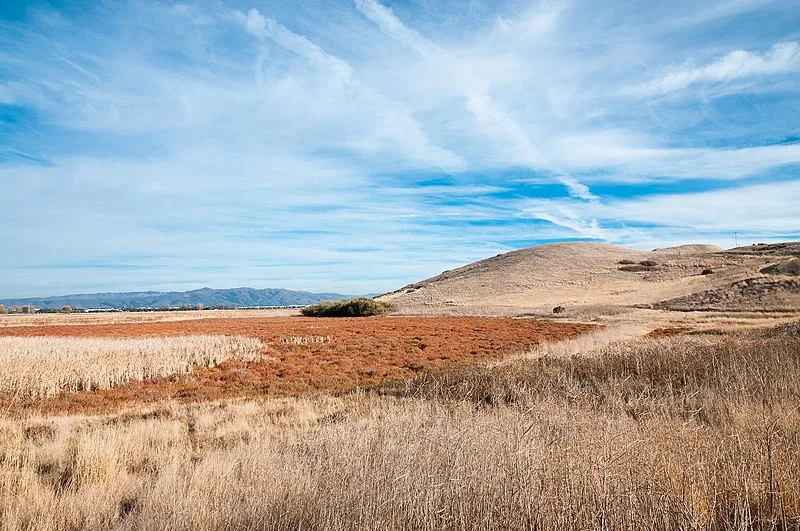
pixel 236 297
pixel 579 275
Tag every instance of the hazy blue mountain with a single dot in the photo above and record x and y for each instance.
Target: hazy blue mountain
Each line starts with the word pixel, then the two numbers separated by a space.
pixel 234 297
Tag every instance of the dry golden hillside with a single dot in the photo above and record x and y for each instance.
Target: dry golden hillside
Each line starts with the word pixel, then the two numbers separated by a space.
pixel 587 275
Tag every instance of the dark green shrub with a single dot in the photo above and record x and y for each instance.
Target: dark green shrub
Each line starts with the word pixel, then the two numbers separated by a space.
pixel 636 268
pixel 359 307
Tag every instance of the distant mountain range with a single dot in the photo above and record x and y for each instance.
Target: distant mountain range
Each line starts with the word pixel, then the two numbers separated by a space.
pixel 235 297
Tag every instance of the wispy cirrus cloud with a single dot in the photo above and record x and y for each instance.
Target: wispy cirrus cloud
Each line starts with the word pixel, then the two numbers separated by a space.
pixel 632 161
pixel 781 58
pixel 519 146
pixel 399 125
pixel 763 211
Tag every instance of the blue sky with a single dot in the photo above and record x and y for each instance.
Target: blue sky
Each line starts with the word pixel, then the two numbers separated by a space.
pixel 359 145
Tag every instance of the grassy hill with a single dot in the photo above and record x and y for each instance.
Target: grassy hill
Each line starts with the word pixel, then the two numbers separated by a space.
pixel 579 275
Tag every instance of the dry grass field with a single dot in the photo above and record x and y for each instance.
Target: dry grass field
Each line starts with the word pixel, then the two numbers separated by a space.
pixel 687 432
pixel 148 360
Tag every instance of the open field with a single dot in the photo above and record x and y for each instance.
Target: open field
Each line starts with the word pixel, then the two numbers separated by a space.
pixel 300 355
pixel 692 432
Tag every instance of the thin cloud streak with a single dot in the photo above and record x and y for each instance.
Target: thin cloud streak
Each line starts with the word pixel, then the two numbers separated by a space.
pixel 782 58
pixel 476 93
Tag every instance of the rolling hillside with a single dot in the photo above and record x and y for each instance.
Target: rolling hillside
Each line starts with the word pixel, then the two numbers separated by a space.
pixel 586 274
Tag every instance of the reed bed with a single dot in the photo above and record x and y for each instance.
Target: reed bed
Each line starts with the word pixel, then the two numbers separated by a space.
pixel 34 367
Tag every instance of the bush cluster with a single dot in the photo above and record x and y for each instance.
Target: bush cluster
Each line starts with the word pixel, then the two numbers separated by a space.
pixel 631 267
pixel 359 307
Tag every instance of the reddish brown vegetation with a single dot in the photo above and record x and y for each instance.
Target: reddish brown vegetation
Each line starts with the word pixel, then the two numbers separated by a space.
pixel 668 331
pixel 359 352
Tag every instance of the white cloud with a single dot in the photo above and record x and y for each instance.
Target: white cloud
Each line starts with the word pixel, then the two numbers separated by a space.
pixel 260 26
pixel 576 189
pixel 630 160
pixel 782 58
pixel 564 217
pixel 254 21
pixel 398 124
pixel 517 143
pixel 765 207
pixel 540 21
pixel 388 22
pixel 761 210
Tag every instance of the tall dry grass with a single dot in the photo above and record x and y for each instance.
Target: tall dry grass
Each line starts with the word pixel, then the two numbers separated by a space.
pixel 710 377
pixel 685 433
pixel 33 367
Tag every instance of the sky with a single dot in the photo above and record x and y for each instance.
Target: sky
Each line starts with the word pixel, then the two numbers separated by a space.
pixel 360 145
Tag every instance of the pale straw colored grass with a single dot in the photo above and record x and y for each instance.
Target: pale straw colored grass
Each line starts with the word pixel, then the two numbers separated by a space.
pixel 380 463
pixel 32 367
pixel 678 433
